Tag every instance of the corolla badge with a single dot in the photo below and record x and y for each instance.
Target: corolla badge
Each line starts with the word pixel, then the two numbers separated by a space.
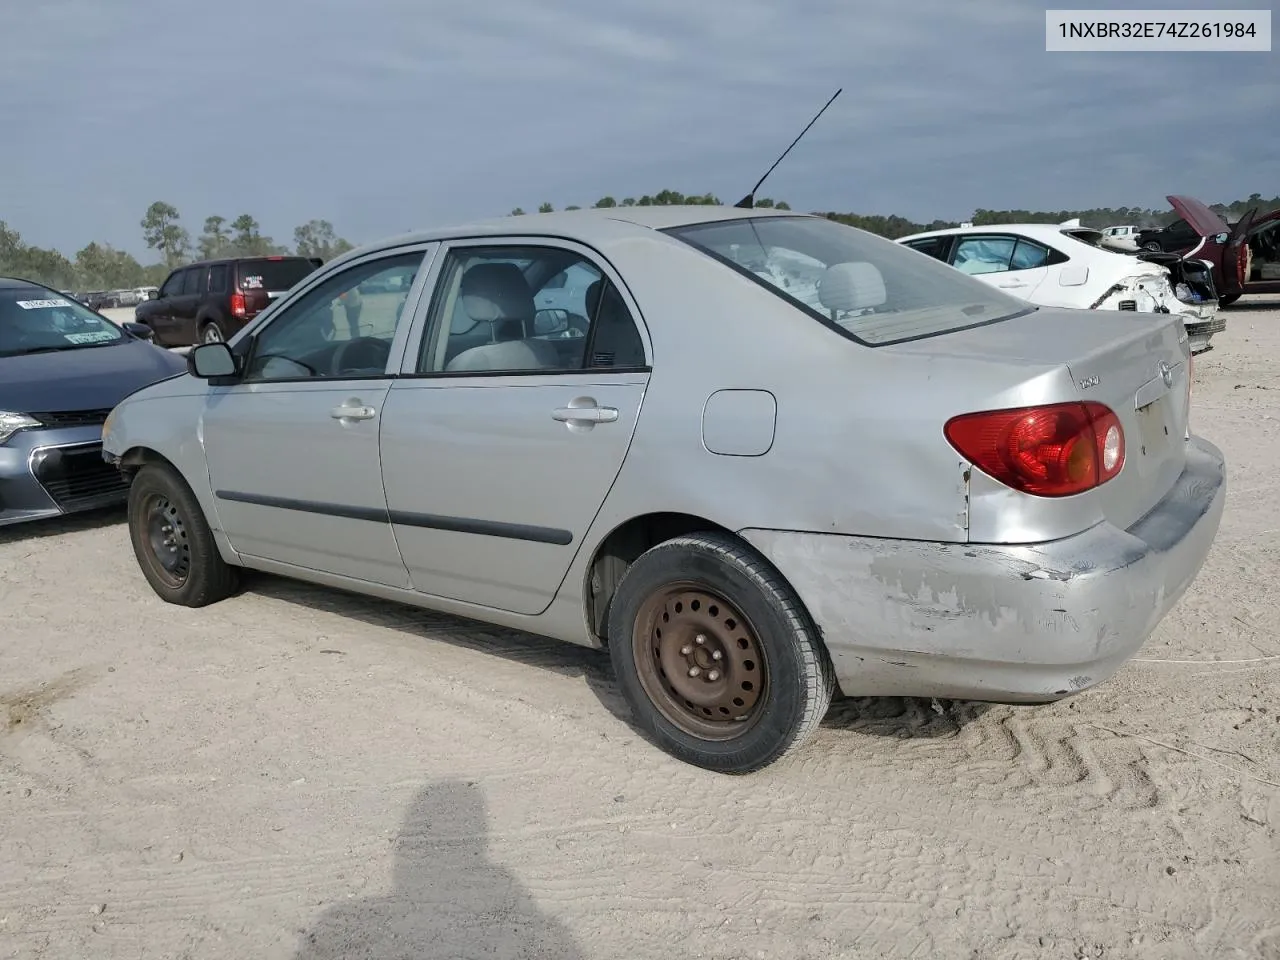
pixel 1088 382
pixel 1166 373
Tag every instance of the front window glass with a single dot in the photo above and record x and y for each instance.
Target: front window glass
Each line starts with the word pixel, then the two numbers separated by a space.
pixel 35 320
pixel 336 331
pixel 871 289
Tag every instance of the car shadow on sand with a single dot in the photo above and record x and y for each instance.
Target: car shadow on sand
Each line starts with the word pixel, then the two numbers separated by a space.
pixel 448 899
pixel 894 717
pixel 1251 306
pixel 62 525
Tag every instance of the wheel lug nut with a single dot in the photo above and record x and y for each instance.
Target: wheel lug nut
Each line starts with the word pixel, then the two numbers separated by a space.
pixel 686 650
pixel 695 671
pixel 717 655
pixel 700 639
pixel 713 675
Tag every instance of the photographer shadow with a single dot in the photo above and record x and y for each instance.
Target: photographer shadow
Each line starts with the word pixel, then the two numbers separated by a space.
pixel 449 900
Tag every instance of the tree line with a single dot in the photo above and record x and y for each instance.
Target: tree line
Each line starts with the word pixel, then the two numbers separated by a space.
pixel 100 266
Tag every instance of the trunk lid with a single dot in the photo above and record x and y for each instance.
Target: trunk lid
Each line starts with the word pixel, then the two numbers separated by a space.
pixel 1135 363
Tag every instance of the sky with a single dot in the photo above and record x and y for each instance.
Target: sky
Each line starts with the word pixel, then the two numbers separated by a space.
pixel 388 115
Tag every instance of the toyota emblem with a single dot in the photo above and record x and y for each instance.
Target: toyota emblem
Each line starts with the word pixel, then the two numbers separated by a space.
pixel 1166 373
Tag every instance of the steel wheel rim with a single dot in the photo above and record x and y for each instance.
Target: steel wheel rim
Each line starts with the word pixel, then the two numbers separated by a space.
pixel 212 334
pixel 700 661
pixel 167 540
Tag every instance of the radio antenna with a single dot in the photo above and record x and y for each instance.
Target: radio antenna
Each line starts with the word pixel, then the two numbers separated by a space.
pixel 749 201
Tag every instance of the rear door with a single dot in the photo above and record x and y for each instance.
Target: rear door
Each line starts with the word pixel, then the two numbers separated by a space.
pixel 497 458
pixel 1008 262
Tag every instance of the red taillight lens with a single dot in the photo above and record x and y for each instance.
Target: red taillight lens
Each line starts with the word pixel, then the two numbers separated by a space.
pixel 1051 451
pixel 237 305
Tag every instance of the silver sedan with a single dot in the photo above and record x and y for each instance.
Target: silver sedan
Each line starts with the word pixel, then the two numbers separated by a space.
pixel 759 456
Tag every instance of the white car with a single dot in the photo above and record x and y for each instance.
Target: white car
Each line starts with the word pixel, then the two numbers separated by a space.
pixel 1123 238
pixel 1063 265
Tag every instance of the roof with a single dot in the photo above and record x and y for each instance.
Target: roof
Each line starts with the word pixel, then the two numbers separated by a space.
pixel 13 283
pixel 235 259
pixel 1042 230
pixel 588 224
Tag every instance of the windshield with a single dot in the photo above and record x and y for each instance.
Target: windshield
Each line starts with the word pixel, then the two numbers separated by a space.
pixel 35 320
pixel 868 288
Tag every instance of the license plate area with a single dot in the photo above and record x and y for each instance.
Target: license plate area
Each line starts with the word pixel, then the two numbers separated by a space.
pixel 1154 429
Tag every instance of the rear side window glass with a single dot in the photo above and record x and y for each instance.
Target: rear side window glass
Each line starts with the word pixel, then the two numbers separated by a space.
pixel 870 289
pixel 218 278
pixel 276 276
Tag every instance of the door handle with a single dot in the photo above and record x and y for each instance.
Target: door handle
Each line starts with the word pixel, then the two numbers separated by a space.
pixel 1011 284
pixel 585 414
pixel 352 411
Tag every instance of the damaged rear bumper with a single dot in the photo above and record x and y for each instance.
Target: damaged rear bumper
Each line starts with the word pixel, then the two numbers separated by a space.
pixel 1010 624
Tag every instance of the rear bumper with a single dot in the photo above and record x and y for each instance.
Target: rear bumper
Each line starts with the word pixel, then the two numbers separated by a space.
pixel 1202 331
pixel 47 473
pixel 1002 623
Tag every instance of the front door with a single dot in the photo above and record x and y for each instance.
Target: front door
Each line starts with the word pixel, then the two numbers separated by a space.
pixel 293 448
pixel 497 457
pixel 159 313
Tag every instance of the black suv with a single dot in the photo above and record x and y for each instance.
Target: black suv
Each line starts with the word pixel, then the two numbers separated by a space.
pixel 211 300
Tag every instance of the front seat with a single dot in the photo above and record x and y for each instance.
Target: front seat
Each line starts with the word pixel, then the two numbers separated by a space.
pixel 617 343
pixel 499 295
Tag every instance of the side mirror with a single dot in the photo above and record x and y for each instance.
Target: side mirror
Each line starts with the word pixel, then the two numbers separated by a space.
pixel 211 361
pixel 139 330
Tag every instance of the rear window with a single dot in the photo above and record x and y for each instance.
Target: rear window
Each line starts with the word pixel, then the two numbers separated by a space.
pixel 274 275
pixel 865 287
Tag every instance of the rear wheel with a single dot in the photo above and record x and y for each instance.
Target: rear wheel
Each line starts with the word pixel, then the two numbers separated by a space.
pixel 173 542
pixel 716 656
pixel 210 332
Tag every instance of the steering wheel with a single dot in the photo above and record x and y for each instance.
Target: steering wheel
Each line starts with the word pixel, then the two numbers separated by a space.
pixel 370 352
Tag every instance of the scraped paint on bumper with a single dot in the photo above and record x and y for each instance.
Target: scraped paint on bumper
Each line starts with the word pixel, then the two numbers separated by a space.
pixel 1002 623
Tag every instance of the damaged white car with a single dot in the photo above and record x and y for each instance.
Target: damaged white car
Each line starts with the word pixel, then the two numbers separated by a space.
pixel 1064 265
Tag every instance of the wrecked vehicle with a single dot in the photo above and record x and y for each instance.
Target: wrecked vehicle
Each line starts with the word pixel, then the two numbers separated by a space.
pixel 1244 256
pixel 1065 265
pixel 775 455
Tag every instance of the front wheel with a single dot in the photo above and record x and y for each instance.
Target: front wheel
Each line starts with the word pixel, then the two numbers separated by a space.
pixel 1228 300
pixel 173 542
pixel 716 656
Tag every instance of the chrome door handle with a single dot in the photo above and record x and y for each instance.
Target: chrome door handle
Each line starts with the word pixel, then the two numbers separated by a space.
pixel 352 412
pixel 585 414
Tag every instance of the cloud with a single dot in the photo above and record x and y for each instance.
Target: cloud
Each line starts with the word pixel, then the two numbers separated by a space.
pixel 399 113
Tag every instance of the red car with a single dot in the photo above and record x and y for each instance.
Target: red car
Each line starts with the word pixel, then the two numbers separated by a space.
pixel 1245 256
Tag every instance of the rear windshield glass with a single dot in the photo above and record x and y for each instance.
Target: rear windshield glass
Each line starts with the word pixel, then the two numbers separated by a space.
pixel 274 275
pixel 868 288
pixel 35 320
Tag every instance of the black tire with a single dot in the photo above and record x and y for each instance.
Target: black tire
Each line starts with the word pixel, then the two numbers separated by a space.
pixel 738 608
pixel 165 518
pixel 1228 300
pixel 210 328
pixel 1153 247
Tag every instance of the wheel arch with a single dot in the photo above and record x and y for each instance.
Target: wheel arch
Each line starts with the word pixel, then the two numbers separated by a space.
pixel 626 542
pixel 135 458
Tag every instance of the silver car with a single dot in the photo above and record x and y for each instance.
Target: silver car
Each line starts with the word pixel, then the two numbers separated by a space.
pixel 762 456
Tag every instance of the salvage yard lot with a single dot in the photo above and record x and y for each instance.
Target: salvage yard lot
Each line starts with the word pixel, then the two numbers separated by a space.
pixel 295 772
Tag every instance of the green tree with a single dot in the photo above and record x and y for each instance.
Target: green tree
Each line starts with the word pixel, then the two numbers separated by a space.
pixel 606 202
pixel 247 239
pixel 573 206
pixel 100 266
pixel 546 208
pixel 517 212
pixel 316 238
pixel 164 234
pixel 214 239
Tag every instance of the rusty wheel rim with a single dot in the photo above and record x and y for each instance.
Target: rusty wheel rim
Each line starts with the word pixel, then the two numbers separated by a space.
pixel 700 661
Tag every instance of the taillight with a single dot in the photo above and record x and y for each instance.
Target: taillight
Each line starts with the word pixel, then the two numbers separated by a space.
pixel 237 305
pixel 1055 450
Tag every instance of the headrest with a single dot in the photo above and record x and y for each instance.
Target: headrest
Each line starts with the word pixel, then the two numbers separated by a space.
pixel 595 292
pixel 496 291
pixel 851 286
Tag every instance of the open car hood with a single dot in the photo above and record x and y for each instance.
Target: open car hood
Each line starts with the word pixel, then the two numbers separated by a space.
pixel 1201 219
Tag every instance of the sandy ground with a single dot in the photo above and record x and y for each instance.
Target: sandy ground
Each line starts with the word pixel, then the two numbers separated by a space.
pixel 301 774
